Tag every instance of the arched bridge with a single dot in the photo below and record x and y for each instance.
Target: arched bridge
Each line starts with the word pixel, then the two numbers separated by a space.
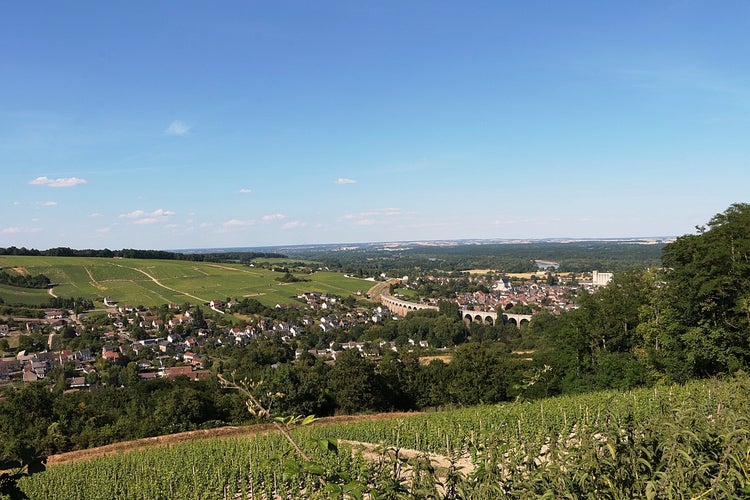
pixel 402 307
pixel 490 317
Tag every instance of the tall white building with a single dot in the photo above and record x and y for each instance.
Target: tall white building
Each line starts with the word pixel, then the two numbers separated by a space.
pixel 601 279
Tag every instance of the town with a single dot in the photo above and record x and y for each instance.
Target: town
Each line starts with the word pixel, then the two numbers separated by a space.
pixel 179 340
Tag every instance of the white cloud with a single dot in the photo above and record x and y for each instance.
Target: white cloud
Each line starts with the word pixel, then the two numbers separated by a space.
pixel 178 128
pixel 58 183
pixel 46 203
pixel 292 225
pixel 140 214
pixel 19 230
pixel 246 191
pixel 376 213
pixel 344 180
pixel 237 224
pixel 96 214
pixel 146 220
pixel 378 216
pixel 272 217
pixel 204 225
pixel 141 217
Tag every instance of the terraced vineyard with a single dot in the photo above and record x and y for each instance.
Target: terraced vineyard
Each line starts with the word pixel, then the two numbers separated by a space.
pixel 689 441
pixel 155 282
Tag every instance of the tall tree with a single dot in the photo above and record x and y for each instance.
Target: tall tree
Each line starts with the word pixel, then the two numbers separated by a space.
pixel 708 286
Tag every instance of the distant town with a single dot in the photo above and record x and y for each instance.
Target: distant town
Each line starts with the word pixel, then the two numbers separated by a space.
pixel 174 341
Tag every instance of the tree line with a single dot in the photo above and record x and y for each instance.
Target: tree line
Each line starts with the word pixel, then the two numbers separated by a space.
pixel 24 280
pixel 131 253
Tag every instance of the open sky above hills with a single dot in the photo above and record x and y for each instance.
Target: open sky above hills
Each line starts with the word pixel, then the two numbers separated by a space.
pixel 188 124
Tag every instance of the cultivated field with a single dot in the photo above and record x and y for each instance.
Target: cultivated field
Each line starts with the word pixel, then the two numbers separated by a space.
pixel 154 282
pixel 689 441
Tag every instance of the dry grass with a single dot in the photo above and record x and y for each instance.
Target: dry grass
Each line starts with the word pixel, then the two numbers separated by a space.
pixel 426 360
pixel 219 432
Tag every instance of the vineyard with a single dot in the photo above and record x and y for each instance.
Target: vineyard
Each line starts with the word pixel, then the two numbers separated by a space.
pixel 156 282
pixel 690 441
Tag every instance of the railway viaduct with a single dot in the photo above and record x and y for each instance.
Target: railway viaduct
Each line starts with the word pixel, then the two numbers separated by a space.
pixel 403 307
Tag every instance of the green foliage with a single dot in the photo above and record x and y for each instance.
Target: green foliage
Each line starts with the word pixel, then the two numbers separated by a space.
pixel 25 463
pixel 707 294
pixel 24 280
pixel 689 441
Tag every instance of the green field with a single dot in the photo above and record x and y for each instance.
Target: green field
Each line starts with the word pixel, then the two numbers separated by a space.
pixel 689 441
pixel 155 282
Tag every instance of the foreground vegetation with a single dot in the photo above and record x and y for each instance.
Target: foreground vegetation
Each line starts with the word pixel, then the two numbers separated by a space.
pixel 683 321
pixel 666 442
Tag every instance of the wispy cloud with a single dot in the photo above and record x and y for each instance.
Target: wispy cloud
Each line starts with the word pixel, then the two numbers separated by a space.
pixel 237 225
pixel 246 191
pixel 46 204
pixel 272 217
pixel 178 128
pixel 96 214
pixel 344 180
pixel 19 230
pixel 62 182
pixel 372 217
pixel 140 217
pixel 292 225
pixel 671 78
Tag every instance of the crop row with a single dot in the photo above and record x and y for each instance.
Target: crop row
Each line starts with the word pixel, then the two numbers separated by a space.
pixel 668 442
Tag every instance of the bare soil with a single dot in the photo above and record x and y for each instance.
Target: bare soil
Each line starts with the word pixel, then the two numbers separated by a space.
pixel 441 463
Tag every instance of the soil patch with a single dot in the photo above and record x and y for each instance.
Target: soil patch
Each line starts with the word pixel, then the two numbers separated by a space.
pixel 426 360
pixel 22 271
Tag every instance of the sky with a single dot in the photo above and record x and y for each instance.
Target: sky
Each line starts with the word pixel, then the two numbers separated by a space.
pixel 181 124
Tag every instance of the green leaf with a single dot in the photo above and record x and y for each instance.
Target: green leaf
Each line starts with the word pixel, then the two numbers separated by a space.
pixel 308 420
pixel 329 444
pixel 316 469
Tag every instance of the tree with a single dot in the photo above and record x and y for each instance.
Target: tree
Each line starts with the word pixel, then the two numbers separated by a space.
pixel 354 385
pixel 708 293
pixel 479 372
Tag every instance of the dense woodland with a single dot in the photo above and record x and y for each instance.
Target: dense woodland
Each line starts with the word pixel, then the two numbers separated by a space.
pixel 688 318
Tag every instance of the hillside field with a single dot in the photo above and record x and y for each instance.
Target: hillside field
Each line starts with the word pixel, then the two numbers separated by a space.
pixel 155 282
pixel 689 441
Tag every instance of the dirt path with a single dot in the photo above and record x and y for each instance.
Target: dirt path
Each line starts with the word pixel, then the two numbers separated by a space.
pixel 227 268
pixel 441 463
pixel 219 432
pixel 51 291
pixel 375 291
pixel 157 282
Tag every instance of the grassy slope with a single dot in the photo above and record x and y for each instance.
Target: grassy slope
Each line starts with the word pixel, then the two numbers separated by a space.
pixel 129 281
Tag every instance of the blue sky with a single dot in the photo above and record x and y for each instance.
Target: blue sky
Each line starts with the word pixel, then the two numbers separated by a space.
pixel 168 125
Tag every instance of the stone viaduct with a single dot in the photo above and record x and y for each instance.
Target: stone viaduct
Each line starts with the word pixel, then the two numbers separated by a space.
pixel 490 317
pixel 402 307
